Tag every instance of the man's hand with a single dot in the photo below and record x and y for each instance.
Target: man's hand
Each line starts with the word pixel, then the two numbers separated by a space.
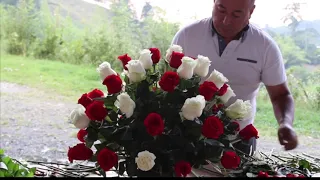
pixel 287 137
pixel 283 107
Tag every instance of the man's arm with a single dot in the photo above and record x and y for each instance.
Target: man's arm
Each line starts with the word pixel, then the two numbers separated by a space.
pixel 274 77
pixel 283 103
pixel 283 107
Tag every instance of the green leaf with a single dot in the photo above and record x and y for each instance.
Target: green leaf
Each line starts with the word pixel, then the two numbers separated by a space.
pixel 15 168
pixel 99 147
pixel 21 173
pixel 116 166
pixel 305 164
pixel 102 172
pixel 113 115
pixel 107 132
pixel 89 144
pixel 213 142
pixel 108 100
pixel 6 160
pixel 113 146
pixel 122 168
pixel 131 167
pixel 185 84
pixel 30 174
pixel 92 134
pixel 10 166
pixel 93 158
pixel 126 79
pixel 2 173
pixel 1 152
pixel 192 130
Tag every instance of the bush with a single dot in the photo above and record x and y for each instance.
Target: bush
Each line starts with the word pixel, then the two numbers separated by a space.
pixel 12 168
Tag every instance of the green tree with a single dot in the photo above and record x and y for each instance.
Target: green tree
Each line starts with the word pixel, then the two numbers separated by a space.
pixel 293 55
pixel 159 31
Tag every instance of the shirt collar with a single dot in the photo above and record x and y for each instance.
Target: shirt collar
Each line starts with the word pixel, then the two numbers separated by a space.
pixel 241 35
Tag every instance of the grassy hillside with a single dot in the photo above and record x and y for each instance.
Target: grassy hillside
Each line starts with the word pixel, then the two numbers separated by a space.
pixel 81 12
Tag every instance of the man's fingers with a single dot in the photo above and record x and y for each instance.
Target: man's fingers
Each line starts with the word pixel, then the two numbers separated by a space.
pixel 290 145
pixel 282 138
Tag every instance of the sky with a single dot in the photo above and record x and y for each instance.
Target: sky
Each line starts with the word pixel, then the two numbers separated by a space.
pixel 267 12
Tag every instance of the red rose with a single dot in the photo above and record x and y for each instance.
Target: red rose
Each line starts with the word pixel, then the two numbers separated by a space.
pixel 290 175
pixel 156 55
pixel 175 59
pixel 113 83
pixel 79 152
pixel 96 93
pixel 248 132
pixel 124 59
pixel 230 160
pixel 223 90
pixel 212 127
pixel 263 174
pixel 81 134
pixel 107 159
pixel 217 107
pixel 96 111
pixel 169 81
pixel 208 90
pixel 84 100
pixel 182 168
pixel 154 124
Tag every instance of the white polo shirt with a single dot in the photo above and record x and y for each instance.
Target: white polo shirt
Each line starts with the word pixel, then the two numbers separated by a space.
pixel 246 62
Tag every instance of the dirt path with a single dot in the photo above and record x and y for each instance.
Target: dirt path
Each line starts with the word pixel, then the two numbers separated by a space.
pixel 34 126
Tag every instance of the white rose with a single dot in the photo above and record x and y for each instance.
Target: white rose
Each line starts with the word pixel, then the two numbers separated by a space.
pixel 225 98
pixel 125 104
pixel 105 70
pixel 193 107
pixel 185 70
pixel 136 71
pixel 203 64
pixel 145 58
pixel 239 110
pixel 145 160
pixel 79 118
pixel 175 48
pixel 217 78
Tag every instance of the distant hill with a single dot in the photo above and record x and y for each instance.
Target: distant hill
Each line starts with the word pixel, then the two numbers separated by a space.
pixel 80 12
pixel 302 26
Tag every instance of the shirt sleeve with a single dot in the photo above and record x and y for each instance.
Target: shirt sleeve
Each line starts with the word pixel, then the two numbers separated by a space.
pixel 273 70
pixel 179 39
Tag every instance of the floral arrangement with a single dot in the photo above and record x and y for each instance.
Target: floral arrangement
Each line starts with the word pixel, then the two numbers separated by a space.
pixel 153 123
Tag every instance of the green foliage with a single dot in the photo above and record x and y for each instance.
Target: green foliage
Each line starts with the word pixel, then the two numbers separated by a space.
pixel 292 54
pixel 45 34
pixel 19 25
pixel 11 168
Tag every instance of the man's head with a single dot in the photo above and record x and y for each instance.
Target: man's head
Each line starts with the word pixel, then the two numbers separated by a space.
pixel 231 16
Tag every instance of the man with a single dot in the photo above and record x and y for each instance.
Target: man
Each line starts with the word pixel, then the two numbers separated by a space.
pixel 247 56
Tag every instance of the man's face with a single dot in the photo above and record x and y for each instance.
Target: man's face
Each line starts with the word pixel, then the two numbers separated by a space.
pixel 231 16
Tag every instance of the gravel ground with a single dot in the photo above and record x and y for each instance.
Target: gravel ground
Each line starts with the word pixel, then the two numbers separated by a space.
pixel 34 126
